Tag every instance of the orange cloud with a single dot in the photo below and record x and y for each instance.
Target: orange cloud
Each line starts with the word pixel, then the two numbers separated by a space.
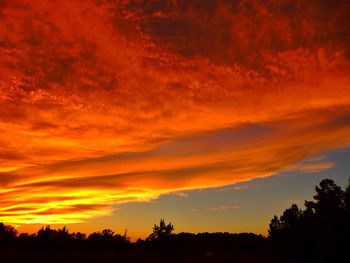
pixel 312 167
pixel 104 102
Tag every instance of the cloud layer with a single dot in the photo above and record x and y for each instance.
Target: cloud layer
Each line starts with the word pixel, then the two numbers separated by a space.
pixel 104 102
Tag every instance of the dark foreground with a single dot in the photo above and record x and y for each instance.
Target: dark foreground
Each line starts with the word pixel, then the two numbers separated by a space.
pixel 77 257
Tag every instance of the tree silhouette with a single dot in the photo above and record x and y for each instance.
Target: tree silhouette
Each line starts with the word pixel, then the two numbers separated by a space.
pixel 46 234
pixel 275 228
pixel 329 197
pixel 107 234
pixel 63 234
pixel 291 216
pixel 161 231
pixel 78 236
pixel 107 240
pixel 7 235
pixel 286 224
pixel 319 231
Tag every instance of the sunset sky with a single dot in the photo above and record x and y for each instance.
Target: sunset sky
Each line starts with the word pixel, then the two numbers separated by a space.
pixel 212 114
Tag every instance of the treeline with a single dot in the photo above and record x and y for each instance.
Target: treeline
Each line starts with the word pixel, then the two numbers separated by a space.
pixel 162 240
pixel 319 232
pixel 49 239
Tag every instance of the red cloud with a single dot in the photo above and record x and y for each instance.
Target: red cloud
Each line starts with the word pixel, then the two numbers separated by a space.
pixel 105 102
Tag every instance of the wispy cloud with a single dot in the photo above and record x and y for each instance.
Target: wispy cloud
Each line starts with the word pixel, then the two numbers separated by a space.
pixel 311 167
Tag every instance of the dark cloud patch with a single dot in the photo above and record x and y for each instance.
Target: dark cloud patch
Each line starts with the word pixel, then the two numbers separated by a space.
pixel 10 155
pixel 43 126
pixel 7 178
pixel 243 31
pixel 15 209
pixel 33 210
pixel 72 209
pixel 136 180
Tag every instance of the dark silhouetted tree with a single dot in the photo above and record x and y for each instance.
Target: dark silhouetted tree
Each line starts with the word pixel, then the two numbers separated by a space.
pixel 108 240
pixel 107 234
pixel 329 197
pixel 319 231
pixel 63 233
pixel 275 228
pixel 7 235
pixel 78 236
pixel 161 231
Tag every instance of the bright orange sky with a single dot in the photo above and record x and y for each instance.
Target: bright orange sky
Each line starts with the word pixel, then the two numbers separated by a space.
pixel 107 102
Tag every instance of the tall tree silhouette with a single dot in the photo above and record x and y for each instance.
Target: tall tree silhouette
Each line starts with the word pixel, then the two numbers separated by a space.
pixel 319 231
pixel 329 197
pixel 286 223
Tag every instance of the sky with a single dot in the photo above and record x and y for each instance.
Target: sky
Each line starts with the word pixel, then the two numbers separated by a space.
pixel 212 114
